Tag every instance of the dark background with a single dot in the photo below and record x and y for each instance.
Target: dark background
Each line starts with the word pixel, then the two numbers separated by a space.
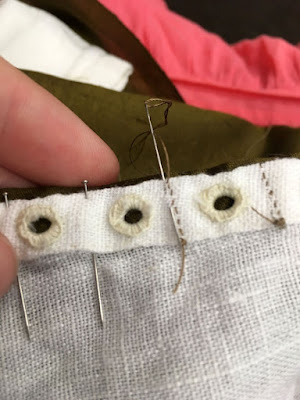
pixel 240 19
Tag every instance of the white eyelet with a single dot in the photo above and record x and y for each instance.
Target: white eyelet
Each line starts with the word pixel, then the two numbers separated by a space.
pixel 119 212
pixel 32 214
pixel 208 198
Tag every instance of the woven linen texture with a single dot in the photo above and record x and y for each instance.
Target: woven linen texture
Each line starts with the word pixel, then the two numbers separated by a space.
pixel 232 331
pixel 86 227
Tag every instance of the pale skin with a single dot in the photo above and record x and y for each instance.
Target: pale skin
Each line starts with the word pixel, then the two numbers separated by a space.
pixel 42 142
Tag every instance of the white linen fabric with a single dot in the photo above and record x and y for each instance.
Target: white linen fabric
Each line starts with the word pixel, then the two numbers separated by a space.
pixel 231 332
pixel 86 226
pixel 35 40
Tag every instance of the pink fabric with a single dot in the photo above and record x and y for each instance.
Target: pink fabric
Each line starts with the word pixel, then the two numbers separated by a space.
pixel 258 80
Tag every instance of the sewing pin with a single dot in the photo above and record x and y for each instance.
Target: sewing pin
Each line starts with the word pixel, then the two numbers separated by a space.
pixel 85 182
pixel 98 289
pixel 5 195
pixel 24 307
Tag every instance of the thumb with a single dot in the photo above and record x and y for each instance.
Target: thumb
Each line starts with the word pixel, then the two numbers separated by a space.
pixel 8 265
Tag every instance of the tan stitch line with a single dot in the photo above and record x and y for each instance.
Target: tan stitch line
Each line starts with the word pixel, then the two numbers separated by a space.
pixel 180 233
pixel 276 214
pixel 176 211
pixel 179 229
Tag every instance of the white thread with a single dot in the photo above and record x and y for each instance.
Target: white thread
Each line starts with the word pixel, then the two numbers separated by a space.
pixel 208 197
pixel 171 201
pixel 119 210
pixel 25 222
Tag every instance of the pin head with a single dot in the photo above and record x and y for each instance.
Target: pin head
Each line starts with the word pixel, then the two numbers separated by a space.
pixel 5 195
pixel 85 182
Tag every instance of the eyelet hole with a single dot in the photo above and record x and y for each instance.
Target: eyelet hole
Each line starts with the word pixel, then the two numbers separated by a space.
pixel 130 215
pixel 133 216
pixel 40 225
pixel 224 203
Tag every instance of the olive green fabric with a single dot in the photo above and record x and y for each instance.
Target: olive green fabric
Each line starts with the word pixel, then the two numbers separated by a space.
pixel 197 140
pixel 44 191
pixel 99 26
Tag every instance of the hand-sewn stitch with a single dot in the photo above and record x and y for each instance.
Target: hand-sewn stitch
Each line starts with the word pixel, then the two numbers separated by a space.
pixel 130 215
pixel 208 199
pixel 166 179
pixel 276 214
pixel 51 226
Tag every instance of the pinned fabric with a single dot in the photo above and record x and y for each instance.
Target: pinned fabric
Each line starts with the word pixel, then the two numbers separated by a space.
pixel 137 215
pixel 231 331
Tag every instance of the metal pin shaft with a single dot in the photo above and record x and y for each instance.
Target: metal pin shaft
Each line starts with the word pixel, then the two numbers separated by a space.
pixel 5 195
pixel 85 182
pixel 24 307
pixel 98 289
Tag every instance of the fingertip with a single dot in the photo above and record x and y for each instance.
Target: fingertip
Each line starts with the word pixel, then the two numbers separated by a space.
pixel 108 168
pixel 54 146
pixel 8 265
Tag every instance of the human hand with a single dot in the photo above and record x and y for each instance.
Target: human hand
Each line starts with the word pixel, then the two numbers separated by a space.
pixel 43 143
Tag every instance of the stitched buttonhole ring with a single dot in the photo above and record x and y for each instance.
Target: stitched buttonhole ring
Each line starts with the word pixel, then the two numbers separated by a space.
pixel 222 202
pixel 130 215
pixel 39 226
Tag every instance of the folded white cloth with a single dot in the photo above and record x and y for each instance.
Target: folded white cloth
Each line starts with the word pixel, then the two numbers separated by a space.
pixel 35 40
